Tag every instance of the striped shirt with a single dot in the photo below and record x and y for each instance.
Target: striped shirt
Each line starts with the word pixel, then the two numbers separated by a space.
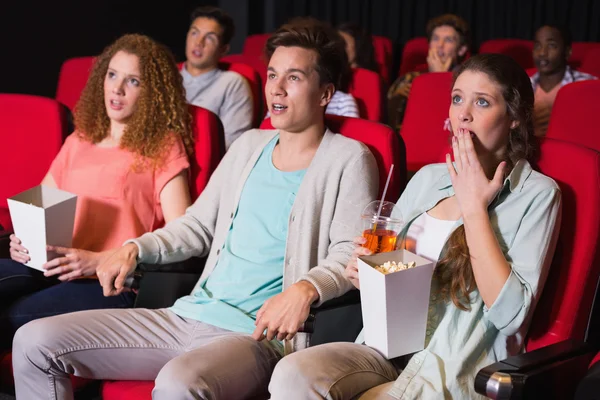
pixel 342 104
pixel 571 75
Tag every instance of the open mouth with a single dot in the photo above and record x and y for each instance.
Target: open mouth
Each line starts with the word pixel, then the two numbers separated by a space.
pixel 278 108
pixel 116 105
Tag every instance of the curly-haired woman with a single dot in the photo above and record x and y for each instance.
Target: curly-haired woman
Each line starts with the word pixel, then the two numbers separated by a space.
pixel 127 161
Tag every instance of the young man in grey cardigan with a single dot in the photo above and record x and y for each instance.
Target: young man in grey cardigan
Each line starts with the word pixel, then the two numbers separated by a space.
pixel 276 222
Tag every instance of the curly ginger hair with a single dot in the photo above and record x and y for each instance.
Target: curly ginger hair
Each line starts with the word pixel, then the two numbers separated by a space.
pixel 161 113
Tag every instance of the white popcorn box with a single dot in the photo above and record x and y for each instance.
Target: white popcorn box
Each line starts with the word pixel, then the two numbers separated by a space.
pixel 395 305
pixel 43 216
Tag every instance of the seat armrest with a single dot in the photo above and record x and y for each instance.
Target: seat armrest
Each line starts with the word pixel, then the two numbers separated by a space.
pixel 542 373
pixel 161 285
pixel 193 265
pixel 347 299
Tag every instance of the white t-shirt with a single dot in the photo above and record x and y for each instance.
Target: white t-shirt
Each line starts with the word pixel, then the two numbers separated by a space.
pixel 427 235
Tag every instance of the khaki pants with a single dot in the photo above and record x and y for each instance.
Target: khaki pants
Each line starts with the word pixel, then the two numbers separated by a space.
pixel 333 371
pixel 187 359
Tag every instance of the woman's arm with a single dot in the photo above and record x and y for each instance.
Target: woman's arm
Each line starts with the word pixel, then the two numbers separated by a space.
pixel 175 196
pixel 490 268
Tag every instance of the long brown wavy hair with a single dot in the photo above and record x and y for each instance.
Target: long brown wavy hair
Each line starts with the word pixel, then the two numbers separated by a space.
pixel 161 113
pixel 454 271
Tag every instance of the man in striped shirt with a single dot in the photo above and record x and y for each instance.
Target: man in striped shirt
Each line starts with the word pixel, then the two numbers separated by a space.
pixel 551 51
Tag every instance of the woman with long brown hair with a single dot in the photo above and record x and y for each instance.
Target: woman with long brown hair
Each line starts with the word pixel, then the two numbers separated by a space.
pixel 488 221
pixel 128 163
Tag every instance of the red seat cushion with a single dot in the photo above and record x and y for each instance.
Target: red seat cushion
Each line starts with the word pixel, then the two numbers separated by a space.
pixel 6 374
pixel 127 390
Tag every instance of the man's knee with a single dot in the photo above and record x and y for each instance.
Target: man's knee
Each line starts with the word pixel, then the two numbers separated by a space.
pixel 176 381
pixel 296 372
pixel 32 343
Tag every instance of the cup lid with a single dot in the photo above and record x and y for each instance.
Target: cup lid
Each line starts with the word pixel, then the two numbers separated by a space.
pixel 389 211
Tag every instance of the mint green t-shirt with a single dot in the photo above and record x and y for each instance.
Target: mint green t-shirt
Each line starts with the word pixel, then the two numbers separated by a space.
pixel 250 266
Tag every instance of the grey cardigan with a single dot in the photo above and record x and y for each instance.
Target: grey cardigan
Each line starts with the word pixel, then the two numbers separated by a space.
pixel 340 181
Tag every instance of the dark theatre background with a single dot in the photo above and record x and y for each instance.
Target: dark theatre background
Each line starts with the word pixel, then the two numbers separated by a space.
pixel 37 36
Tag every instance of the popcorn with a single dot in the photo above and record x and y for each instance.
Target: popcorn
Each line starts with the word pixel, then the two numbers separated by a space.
pixel 391 266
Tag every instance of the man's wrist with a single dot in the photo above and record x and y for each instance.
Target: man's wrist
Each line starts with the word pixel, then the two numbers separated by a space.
pixel 311 291
pixel 133 250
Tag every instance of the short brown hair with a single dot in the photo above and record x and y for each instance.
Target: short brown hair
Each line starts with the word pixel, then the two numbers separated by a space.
pixel 454 21
pixel 312 34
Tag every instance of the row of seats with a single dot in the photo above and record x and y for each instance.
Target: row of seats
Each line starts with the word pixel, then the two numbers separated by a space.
pixel 565 305
pixel 584 56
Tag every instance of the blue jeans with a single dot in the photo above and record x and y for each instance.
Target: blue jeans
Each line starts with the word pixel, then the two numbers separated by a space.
pixel 26 294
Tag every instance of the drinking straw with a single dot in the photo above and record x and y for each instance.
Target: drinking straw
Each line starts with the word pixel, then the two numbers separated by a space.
pixel 387 183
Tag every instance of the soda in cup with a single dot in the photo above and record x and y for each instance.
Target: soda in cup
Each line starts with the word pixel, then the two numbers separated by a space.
pixel 381 226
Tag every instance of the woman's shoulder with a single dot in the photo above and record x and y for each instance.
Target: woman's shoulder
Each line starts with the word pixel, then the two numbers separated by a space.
pixel 431 172
pixel 75 140
pixel 539 182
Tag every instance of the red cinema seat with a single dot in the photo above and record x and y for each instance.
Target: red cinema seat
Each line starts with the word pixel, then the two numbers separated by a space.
pixel 560 320
pixel 384 51
pixel 414 55
pixel 254 45
pixel 32 130
pixel 367 87
pixel 574 114
pixel 580 51
pixel 72 78
pixel 520 50
pixel 591 63
pixel 422 129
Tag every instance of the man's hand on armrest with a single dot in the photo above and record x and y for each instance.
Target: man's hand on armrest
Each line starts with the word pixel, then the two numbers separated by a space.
pixel 282 315
pixel 113 271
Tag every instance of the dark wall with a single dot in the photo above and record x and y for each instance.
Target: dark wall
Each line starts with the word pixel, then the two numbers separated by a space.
pixel 36 37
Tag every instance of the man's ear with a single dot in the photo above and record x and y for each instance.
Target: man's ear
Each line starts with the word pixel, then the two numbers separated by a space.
pixel 568 52
pixel 514 124
pixel 462 51
pixel 328 92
